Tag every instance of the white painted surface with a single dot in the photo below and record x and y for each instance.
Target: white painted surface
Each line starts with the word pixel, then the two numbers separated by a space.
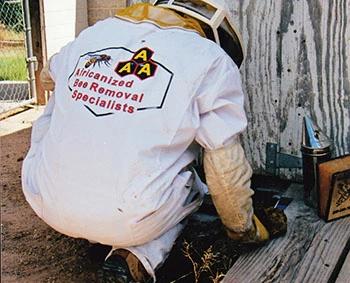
pixel 64 20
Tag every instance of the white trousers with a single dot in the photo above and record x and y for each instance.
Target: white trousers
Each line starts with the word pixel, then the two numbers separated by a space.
pixel 153 254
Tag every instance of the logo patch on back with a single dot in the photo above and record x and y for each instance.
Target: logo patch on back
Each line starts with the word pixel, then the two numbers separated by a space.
pixel 140 65
pixel 118 80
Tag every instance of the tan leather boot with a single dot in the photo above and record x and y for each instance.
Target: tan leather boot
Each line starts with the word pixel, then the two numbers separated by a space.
pixel 122 267
pixel 136 268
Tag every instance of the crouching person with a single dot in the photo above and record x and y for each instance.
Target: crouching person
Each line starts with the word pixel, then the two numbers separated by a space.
pixel 134 98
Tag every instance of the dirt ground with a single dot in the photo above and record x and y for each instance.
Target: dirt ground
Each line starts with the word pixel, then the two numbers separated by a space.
pixel 33 252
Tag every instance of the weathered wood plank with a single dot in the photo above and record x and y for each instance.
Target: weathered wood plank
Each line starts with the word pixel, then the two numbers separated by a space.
pixel 259 73
pixel 324 252
pixel 324 82
pixel 308 252
pixel 344 274
pixel 308 59
pixel 289 44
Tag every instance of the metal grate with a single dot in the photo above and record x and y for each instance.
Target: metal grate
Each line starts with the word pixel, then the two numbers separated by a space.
pixel 14 87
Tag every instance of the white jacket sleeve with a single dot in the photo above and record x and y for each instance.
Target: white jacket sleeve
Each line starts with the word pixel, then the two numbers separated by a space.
pixel 222 117
pixel 220 102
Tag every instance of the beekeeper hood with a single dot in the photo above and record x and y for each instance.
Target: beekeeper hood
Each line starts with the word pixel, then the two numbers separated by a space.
pixel 214 19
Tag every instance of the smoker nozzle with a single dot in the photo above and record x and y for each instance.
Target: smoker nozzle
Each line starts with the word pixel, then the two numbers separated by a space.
pixel 314 141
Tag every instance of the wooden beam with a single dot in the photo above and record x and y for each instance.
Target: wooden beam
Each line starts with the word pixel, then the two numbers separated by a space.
pixel 324 253
pixel 309 252
pixel 38 47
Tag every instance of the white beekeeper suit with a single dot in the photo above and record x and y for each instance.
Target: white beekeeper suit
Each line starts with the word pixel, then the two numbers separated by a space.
pixel 133 100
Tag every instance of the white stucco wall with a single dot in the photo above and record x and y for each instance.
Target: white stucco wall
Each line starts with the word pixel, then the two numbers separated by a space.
pixel 64 19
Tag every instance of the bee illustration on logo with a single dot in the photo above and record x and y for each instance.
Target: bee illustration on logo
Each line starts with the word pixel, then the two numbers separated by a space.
pixel 98 59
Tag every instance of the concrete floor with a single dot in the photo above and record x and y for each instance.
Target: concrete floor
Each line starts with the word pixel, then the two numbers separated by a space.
pixel 20 121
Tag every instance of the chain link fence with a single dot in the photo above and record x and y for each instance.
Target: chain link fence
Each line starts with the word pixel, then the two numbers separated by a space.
pixel 14 87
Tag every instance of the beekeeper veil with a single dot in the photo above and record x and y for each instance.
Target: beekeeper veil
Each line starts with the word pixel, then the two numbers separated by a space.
pixel 214 19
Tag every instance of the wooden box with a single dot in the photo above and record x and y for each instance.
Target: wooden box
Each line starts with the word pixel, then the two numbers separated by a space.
pixel 334 188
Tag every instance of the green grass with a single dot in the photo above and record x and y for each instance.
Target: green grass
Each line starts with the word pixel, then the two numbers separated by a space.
pixel 13 65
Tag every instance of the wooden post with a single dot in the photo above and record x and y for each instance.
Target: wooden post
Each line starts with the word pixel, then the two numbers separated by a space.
pixel 39 49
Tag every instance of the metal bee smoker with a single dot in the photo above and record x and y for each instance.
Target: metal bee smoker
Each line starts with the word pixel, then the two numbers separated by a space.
pixel 315 147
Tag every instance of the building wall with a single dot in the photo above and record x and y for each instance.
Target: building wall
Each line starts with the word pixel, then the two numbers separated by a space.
pixel 101 9
pixel 63 21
